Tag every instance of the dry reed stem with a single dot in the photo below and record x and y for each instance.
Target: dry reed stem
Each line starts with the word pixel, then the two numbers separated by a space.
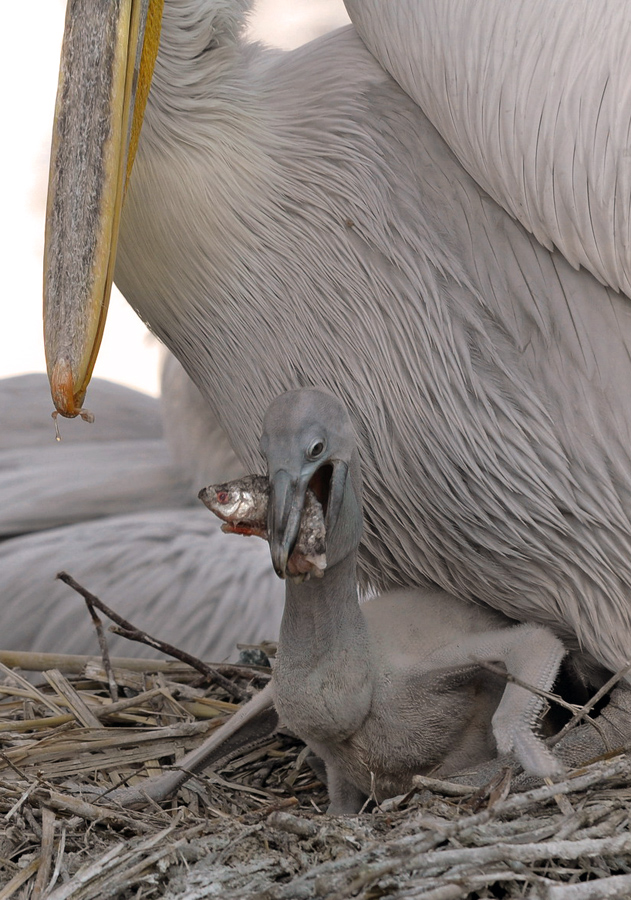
pixel 136 634
pixel 105 652
pixel 249 830
pixel 48 846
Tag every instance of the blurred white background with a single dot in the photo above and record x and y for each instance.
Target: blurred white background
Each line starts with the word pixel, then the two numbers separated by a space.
pixel 30 41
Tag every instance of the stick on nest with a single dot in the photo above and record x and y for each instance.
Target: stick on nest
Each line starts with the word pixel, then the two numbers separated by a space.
pixel 254 826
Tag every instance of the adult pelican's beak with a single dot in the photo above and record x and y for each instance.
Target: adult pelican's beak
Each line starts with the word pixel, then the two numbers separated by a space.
pixel 109 50
pixel 286 505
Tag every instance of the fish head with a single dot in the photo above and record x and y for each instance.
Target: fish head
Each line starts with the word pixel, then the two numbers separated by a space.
pixel 241 504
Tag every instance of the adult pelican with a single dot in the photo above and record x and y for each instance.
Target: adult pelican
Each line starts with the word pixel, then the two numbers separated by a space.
pixel 426 212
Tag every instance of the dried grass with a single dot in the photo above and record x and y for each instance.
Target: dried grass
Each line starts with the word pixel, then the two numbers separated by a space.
pixel 254 828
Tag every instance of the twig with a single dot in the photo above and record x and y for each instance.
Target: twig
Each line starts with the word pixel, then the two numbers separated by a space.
pixel 35 779
pixel 135 634
pixel 74 664
pixel 460 887
pixel 105 652
pixel 578 712
pixel 584 710
pixel 71 697
pixel 48 846
pixel 18 880
pixel 138 635
pixel 293 824
pixel 420 851
pixel 561 801
pixel 617 887
pixel 553 698
pixel 520 802
pixel 447 788
pixel 117 857
pixel 91 812
pixel 31 691
pixel 15 727
pixel 60 857
pixel 20 801
pixel 503 852
pixel 113 708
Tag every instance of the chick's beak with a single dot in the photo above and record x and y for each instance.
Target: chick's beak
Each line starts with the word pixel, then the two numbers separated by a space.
pixel 286 503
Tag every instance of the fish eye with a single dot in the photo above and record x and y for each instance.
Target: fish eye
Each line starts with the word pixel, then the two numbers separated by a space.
pixel 316 449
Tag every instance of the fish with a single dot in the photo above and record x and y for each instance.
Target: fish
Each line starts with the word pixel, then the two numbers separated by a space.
pixel 242 505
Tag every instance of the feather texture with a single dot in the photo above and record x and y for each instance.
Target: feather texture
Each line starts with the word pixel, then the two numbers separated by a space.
pixel 171 572
pixel 534 99
pixel 111 504
pixel 296 219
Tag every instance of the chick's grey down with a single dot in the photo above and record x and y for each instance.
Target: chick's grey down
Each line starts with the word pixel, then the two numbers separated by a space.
pixel 390 688
pixel 295 219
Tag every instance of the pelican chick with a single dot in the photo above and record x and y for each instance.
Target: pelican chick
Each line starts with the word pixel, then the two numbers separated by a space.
pixel 389 688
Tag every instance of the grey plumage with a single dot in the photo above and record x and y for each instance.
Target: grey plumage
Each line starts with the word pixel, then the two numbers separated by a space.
pixel 169 571
pixel 545 131
pixel 25 415
pixel 48 486
pixel 297 219
pixel 115 505
pixel 311 226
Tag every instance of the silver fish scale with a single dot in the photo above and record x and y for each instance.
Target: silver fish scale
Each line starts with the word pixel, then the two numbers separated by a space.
pixel 242 500
pixel 245 500
pixel 311 543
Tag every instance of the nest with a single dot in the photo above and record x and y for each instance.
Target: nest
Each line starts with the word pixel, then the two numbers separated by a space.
pixel 254 827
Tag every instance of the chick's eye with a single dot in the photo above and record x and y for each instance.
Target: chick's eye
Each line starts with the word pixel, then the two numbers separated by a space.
pixel 315 450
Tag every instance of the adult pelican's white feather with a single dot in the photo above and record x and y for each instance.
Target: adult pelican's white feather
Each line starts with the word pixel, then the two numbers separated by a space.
pixel 296 219
pixel 169 571
pixel 533 99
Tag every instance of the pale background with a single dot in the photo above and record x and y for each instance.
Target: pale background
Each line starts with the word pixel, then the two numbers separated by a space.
pixel 30 41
